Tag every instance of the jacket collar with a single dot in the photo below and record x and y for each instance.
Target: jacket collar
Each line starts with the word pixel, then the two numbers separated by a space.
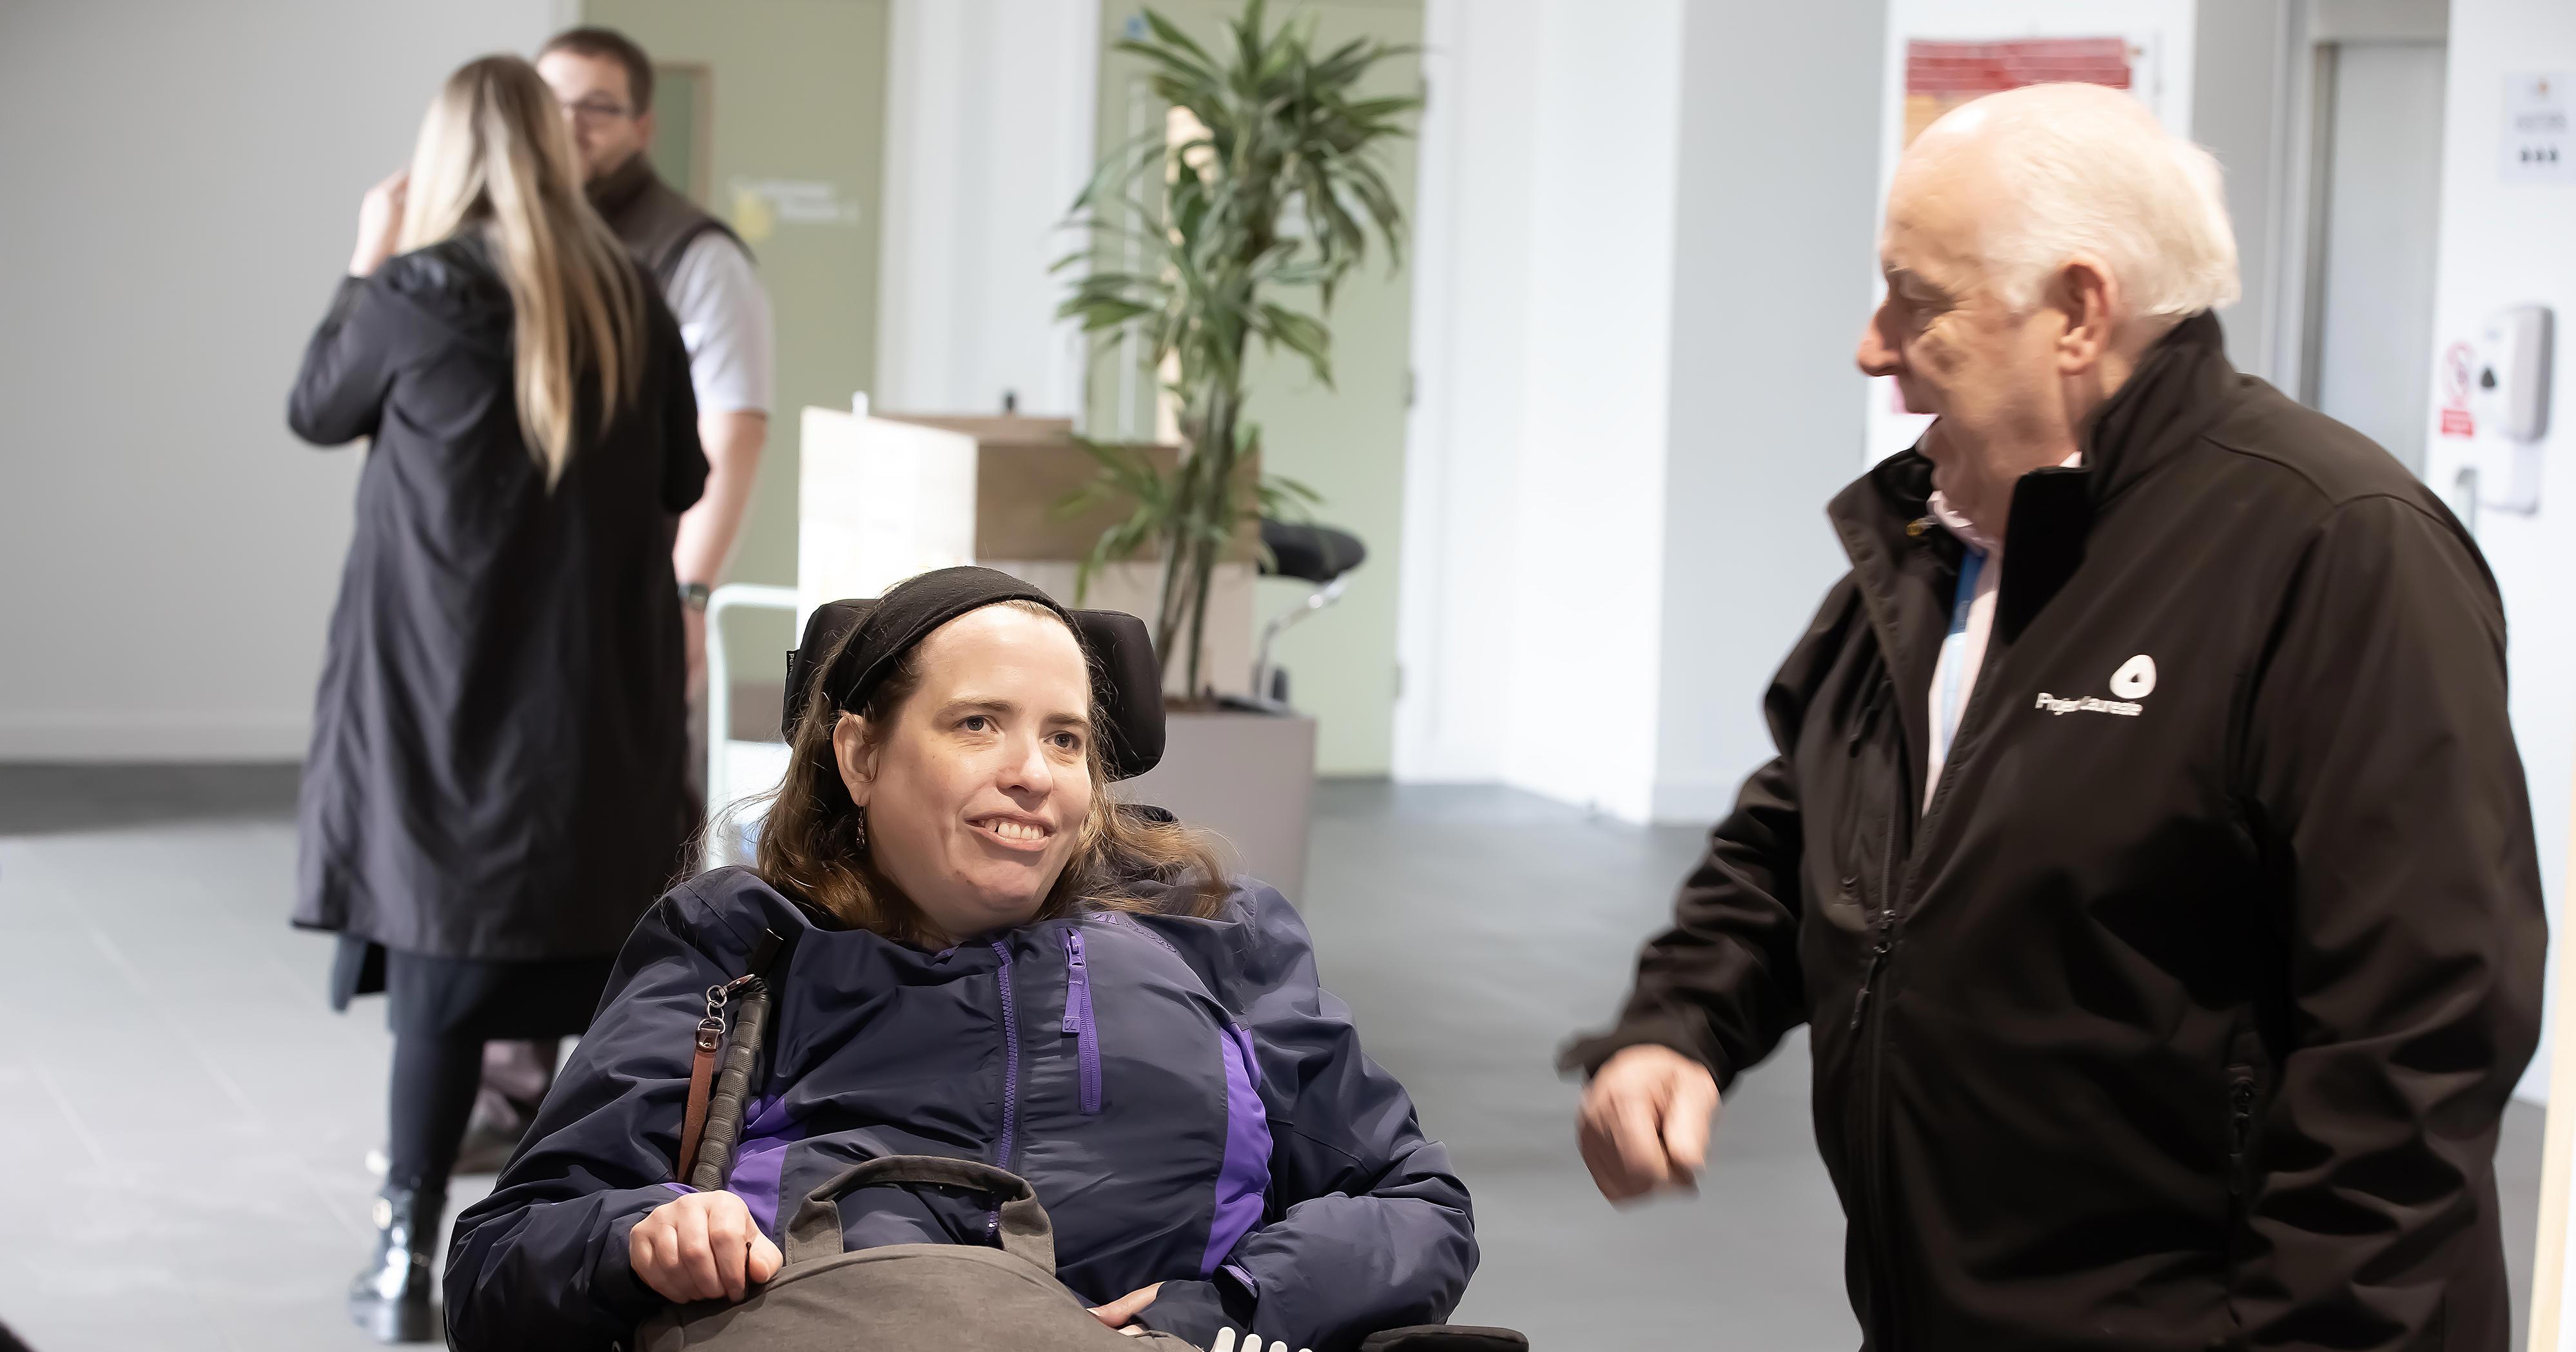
pixel 2181 386
pixel 1899 558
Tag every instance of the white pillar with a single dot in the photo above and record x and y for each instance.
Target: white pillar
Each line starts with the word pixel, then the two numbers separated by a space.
pixel 989 118
pixel 1636 289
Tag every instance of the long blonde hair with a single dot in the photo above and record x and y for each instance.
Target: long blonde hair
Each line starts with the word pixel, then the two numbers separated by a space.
pixel 494 152
pixel 813 847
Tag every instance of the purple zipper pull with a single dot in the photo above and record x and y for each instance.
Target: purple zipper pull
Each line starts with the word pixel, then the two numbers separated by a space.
pixel 1076 980
pixel 1078 1020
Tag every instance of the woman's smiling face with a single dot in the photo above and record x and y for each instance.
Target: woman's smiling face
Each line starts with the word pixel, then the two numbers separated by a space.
pixel 977 794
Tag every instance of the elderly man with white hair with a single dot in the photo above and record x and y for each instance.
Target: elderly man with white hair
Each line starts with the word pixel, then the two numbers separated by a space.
pixel 2147 847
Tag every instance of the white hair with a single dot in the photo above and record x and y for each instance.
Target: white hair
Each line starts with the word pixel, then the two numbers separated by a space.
pixel 2088 171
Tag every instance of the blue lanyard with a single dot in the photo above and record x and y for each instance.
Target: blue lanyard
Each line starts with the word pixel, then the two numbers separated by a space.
pixel 1954 650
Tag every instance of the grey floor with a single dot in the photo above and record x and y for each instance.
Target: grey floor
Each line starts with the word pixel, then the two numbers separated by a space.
pixel 187 1120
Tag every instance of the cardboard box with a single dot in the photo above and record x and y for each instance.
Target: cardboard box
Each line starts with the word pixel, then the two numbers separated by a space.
pixel 1024 467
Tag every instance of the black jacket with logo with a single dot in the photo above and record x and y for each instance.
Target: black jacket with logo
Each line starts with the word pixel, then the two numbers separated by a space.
pixel 2185 1014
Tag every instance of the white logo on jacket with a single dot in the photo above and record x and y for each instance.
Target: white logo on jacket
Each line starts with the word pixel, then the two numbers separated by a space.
pixel 2134 681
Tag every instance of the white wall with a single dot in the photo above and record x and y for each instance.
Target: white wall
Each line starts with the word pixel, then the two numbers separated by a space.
pixel 1637 285
pixel 989 137
pixel 2508 244
pixel 1535 463
pixel 1471 364
pixel 1587 578
pixel 1771 287
pixel 184 184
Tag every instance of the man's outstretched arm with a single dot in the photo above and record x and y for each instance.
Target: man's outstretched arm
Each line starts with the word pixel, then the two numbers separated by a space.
pixel 1713 993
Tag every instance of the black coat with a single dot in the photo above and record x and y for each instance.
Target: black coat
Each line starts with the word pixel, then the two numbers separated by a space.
pixel 498 762
pixel 2185 1015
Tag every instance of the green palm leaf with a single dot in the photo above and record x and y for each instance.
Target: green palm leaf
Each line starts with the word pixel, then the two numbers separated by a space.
pixel 1280 191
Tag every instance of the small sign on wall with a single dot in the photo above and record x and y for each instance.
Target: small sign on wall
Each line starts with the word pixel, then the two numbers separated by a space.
pixel 2459 373
pixel 2539 141
pixel 761 205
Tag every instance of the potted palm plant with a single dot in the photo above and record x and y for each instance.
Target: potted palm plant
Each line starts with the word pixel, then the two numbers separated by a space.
pixel 1265 191
pixel 1273 192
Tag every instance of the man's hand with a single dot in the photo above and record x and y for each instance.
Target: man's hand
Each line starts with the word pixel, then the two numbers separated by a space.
pixel 1645 1121
pixel 699 1247
pixel 379 224
pixel 1116 1313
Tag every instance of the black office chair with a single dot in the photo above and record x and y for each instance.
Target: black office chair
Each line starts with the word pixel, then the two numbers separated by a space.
pixel 1311 553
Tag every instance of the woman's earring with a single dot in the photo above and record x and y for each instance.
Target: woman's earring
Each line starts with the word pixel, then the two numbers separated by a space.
pixel 863 830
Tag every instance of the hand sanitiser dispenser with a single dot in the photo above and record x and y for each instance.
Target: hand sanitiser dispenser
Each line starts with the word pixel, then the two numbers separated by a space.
pixel 2513 379
pixel 2511 397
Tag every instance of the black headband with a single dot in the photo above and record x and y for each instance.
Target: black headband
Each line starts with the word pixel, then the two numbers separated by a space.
pixel 850 647
pixel 906 615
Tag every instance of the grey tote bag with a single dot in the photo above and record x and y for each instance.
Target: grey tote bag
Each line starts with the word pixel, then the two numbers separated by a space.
pixel 916 1297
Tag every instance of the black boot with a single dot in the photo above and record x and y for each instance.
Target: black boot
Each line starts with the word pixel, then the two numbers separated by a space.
pixel 390 1300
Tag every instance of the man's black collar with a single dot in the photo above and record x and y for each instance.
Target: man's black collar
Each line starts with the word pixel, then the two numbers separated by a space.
pixel 2181 386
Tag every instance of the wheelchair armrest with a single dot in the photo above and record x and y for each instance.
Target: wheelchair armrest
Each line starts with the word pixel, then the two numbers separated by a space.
pixel 1445 1338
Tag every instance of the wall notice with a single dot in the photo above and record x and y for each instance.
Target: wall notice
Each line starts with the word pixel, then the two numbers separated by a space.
pixel 2536 128
pixel 761 205
pixel 1939 76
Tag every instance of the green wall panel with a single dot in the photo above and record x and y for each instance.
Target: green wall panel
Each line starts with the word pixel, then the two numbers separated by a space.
pixel 1346 442
pixel 795 110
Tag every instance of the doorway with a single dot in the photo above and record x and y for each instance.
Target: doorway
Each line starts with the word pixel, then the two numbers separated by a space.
pixel 2374 216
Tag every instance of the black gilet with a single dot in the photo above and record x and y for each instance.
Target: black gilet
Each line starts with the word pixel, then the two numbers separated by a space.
pixel 656 224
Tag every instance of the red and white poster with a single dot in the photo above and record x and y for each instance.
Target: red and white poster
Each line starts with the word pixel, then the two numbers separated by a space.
pixel 1940 75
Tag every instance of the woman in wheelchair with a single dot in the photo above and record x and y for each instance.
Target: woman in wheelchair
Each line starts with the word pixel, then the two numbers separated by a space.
pixel 984 958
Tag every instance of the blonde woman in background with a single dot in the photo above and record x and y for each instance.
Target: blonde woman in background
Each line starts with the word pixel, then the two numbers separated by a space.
pixel 497 782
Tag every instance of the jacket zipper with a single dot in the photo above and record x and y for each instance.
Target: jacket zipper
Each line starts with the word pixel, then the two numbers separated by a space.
pixel 1078 1021
pixel 2240 1186
pixel 1882 949
pixel 2240 1132
pixel 1010 1082
pixel 1882 956
pixel 1880 945
pixel 1883 919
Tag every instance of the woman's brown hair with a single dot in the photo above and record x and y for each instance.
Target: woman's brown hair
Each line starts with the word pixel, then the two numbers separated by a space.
pixel 810 846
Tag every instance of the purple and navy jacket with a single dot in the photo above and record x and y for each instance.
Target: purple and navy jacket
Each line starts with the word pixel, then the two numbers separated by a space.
pixel 1190 1105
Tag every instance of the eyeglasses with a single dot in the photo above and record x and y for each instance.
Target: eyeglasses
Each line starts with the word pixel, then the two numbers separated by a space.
pixel 598 110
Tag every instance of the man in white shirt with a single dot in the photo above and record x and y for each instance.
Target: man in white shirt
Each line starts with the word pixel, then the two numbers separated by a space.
pixel 605 83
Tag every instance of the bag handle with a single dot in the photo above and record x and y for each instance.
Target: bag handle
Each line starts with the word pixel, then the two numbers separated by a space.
pixel 1026 1233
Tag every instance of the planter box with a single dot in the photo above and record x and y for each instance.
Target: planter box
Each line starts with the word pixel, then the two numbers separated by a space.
pixel 1248 777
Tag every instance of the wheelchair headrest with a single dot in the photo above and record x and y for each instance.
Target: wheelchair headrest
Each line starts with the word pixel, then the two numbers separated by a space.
pixel 1126 681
